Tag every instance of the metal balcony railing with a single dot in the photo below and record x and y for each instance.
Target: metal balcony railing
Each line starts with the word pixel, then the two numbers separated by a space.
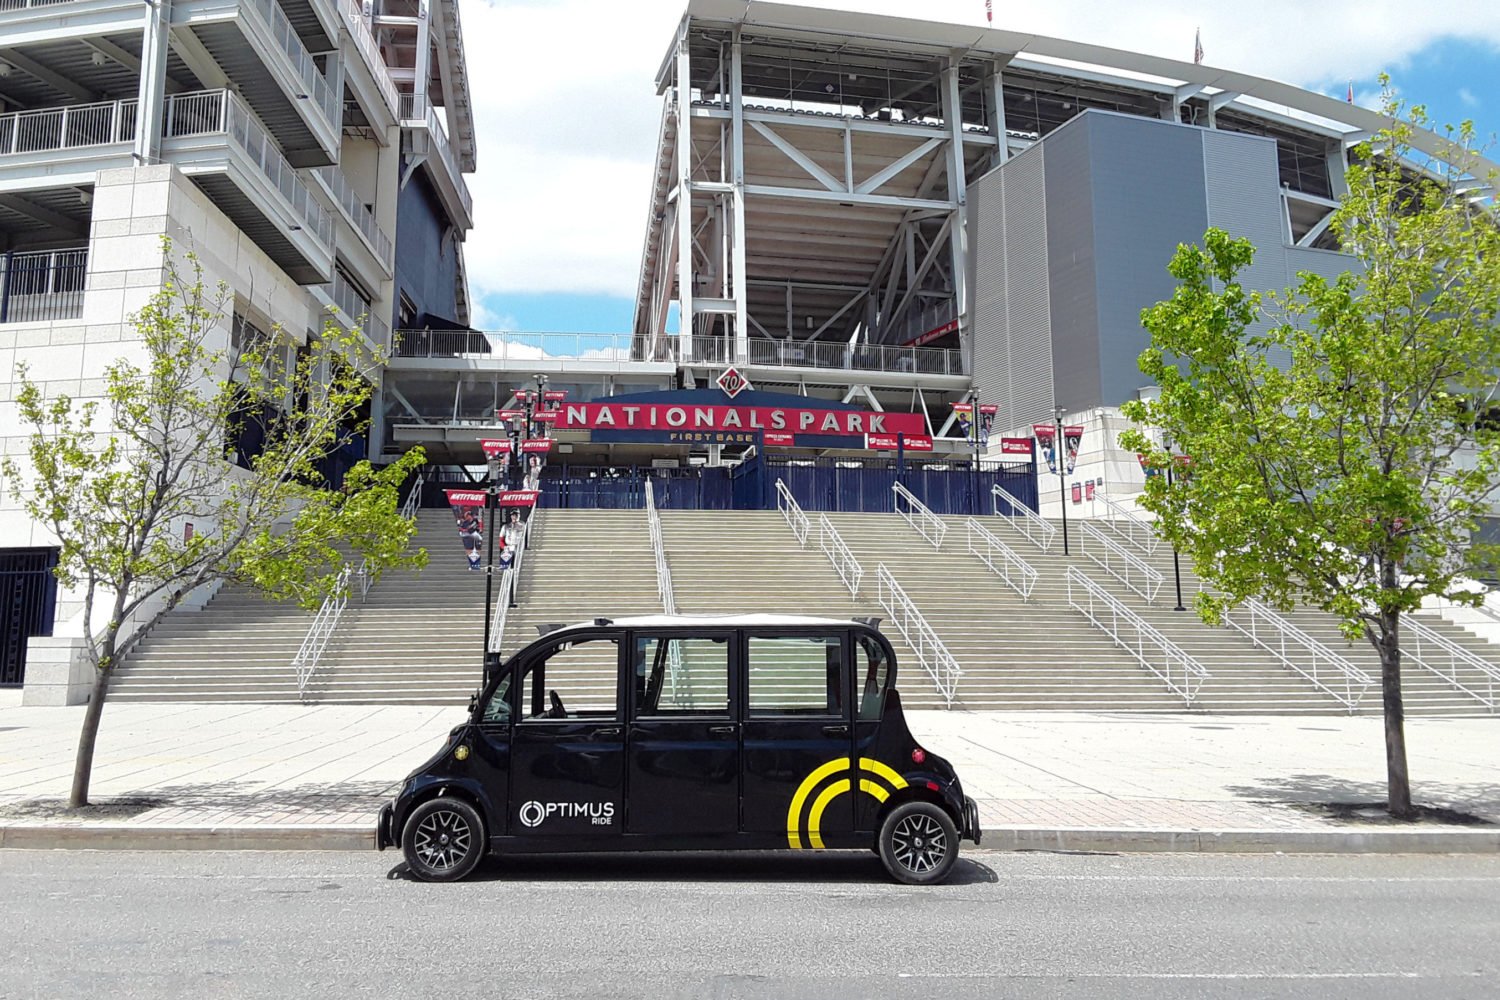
pixel 820 354
pixel 212 112
pixel 9 5
pixel 355 309
pixel 358 215
pixel 359 30
pixel 509 346
pixel 313 80
pixel 416 108
pixel 71 127
pixel 42 285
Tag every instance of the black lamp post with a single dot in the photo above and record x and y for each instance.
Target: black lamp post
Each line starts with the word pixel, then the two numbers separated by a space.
pixel 1059 461
pixel 1176 565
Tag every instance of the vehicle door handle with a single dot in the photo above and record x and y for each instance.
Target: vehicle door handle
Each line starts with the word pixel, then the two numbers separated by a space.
pixel 835 730
pixel 609 732
pixel 721 730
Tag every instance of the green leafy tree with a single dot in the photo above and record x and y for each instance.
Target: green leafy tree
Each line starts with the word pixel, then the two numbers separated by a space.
pixel 1342 434
pixel 119 482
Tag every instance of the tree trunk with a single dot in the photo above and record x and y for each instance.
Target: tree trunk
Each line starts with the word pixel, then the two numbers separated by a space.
pixel 83 764
pixel 1398 781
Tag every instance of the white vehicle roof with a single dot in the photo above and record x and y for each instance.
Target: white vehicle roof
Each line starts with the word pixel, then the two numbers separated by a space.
pixel 722 621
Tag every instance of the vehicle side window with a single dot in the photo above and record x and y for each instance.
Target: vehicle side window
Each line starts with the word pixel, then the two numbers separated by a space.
pixel 876 675
pixel 681 675
pixel 576 680
pixel 795 675
pixel 497 709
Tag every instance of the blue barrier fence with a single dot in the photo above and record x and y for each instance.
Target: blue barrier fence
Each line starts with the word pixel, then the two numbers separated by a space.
pixel 817 484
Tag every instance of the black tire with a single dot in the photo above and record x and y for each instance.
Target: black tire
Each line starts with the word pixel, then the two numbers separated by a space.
pixel 918 843
pixel 443 840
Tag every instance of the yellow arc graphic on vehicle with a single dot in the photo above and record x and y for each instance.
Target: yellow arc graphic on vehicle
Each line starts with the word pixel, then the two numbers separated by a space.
pixel 832 791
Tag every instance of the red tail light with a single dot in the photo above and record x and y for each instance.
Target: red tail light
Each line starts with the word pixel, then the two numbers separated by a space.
pixel 918 755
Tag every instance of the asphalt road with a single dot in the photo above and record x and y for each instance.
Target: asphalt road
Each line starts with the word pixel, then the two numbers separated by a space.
pixel 86 924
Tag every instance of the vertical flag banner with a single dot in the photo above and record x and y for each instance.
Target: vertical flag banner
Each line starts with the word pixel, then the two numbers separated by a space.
pixel 1072 439
pixel 1046 444
pixel 965 414
pixel 1197 45
pixel 987 413
pixel 515 510
pixel 468 517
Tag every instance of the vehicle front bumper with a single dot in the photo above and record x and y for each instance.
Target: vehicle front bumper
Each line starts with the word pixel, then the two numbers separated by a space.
pixel 971 829
pixel 384 837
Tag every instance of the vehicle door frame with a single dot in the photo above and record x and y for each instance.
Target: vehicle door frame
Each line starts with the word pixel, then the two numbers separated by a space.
pixel 523 664
pixel 729 718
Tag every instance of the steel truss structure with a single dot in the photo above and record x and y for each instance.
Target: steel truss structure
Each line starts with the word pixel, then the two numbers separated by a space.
pixel 812 167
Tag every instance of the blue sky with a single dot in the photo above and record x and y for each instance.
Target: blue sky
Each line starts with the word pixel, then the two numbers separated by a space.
pixel 561 199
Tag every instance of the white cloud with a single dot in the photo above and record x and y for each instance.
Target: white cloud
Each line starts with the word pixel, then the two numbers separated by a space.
pixel 1467 96
pixel 566 108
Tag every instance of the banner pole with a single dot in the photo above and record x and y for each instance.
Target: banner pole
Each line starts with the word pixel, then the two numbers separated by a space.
pixel 1062 484
pixel 489 567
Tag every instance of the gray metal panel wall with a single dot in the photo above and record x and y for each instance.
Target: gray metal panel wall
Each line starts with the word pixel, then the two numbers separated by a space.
pixel 1027 394
pixel 1244 200
pixel 1148 183
pixel 1072 281
pixel 989 333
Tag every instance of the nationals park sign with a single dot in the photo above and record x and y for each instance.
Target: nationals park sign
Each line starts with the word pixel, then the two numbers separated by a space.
pixel 774 424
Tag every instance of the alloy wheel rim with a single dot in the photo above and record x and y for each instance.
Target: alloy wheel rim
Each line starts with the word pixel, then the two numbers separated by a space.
pixel 443 839
pixel 919 844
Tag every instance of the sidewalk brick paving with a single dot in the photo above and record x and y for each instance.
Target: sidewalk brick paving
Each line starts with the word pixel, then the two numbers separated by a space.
pixel 322 766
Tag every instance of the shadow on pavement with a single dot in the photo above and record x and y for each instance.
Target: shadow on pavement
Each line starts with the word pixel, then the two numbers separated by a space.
pixel 248 802
pixel 827 867
pixel 1341 798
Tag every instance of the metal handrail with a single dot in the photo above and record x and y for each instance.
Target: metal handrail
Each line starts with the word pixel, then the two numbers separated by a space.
pixel 1135 531
pixel 1182 674
pixel 920 636
pixel 838 552
pixel 510 580
pixel 932 527
pixel 1037 529
pixel 323 624
pixel 1120 563
pixel 414 498
pixel 1321 665
pixel 1025 577
pixel 663 571
pixel 1430 645
pixel 790 509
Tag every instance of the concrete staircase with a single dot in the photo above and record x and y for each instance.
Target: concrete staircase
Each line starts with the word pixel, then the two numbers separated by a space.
pixel 414 639
pixel 1015 654
pixel 238 648
pixel 748 562
pixel 581 565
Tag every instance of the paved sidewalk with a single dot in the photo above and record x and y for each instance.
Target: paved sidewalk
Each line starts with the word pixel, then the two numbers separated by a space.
pixel 283 776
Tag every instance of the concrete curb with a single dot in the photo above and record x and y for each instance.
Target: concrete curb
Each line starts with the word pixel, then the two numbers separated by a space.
pixel 1146 841
pixel 361 837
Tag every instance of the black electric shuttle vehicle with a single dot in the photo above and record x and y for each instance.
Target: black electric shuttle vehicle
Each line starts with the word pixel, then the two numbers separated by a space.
pixel 686 733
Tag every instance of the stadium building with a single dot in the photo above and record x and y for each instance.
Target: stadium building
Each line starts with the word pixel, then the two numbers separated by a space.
pixel 876 251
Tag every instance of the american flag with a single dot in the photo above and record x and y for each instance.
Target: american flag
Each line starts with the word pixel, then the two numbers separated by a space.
pixel 1198 45
pixel 989 11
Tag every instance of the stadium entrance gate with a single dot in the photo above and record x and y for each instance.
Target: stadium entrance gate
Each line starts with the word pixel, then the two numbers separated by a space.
pixel 817 484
